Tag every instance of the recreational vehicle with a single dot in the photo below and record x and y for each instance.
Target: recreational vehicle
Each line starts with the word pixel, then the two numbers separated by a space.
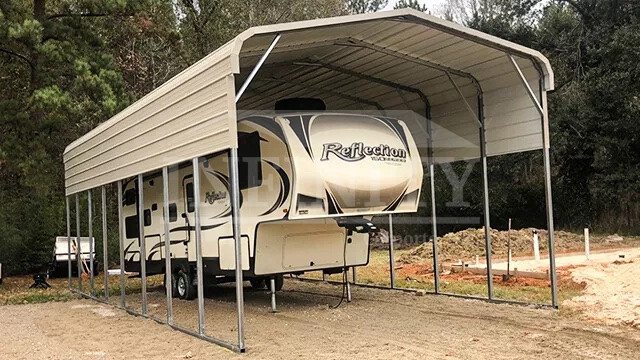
pixel 310 182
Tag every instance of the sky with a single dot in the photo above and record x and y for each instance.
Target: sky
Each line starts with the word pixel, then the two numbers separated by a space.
pixel 435 6
pixel 432 5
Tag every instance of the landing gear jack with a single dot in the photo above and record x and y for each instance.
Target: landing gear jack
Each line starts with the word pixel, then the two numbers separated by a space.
pixel 275 284
pixel 346 277
pixel 272 283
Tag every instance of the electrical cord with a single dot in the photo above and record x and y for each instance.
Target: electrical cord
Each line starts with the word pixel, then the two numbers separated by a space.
pixel 344 273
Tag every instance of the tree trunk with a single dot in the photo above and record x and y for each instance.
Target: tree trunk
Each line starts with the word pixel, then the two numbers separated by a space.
pixel 39 10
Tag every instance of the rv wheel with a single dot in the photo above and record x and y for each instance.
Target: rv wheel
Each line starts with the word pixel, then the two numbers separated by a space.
pixel 186 289
pixel 258 283
pixel 174 284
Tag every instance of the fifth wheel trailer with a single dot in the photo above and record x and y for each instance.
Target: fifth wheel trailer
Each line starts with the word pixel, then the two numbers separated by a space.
pixel 310 182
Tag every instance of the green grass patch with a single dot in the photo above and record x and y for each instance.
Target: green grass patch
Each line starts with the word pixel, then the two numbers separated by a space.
pixel 40 297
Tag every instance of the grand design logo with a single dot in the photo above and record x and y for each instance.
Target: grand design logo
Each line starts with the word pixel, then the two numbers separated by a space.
pixel 358 151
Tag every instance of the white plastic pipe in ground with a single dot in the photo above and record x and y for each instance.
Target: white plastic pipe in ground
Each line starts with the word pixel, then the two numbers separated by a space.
pixel 536 246
pixel 586 243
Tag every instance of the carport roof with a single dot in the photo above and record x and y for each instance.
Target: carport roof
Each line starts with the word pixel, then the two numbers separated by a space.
pixel 348 61
pixel 384 25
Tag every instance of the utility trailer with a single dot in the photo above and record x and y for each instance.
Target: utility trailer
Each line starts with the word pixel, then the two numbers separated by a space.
pixel 60 257
pixel 310 183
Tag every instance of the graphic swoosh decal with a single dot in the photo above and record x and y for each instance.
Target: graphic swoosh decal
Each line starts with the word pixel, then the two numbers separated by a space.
pixel 333 205
pixel 285 186
pixel 393 124
pixel 298 125
pixel 193 228
pixel 269 124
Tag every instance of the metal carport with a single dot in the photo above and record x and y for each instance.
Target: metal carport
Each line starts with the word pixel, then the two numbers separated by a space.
pixel 475 90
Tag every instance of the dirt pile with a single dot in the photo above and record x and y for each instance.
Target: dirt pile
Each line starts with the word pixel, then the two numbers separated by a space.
pixel 468 243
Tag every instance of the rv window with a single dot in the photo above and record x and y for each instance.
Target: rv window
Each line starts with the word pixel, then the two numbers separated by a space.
pixel 249 161
pixel 147 217
pixel 173 212
pixel 129 198
pixel 190 201
pixel 131 227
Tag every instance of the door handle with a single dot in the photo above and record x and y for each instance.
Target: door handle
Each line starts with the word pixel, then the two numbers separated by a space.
pixel 186 220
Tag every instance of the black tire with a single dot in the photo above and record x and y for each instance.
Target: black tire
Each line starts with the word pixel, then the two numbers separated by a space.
pixel 258 283
pixel 174 284
pixel 279 282
pixel 185 288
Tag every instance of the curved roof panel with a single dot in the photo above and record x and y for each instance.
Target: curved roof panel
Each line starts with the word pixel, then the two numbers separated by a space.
pixel 391 60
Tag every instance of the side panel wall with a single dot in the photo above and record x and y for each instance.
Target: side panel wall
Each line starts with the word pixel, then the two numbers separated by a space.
pixel 190 115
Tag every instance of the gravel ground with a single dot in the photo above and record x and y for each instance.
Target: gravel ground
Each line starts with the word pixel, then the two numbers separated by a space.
pixel 377 324
pixel 612 293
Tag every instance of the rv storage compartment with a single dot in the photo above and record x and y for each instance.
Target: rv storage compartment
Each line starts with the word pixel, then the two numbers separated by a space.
pixel 307 245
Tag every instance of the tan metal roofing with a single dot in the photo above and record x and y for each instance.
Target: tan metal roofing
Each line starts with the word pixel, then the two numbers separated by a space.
pixel 351 62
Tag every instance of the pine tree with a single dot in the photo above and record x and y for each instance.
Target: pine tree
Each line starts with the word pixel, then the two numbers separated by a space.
pixel 58 81
pixel 412 4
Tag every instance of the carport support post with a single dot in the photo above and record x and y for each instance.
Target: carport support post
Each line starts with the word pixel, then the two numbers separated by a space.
pixel 543 109
pixel 68 241
pixel 235 203
pixel 143 244
pixel 485 193
pixel 235 218
pixel 549 199
pixel 91 245
pixel 199 274
pixel 479 118
pixel 78 253
pixel 105 249
pixel 434 225
pixel 392 270
pixel 167 246
pixel 123 290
